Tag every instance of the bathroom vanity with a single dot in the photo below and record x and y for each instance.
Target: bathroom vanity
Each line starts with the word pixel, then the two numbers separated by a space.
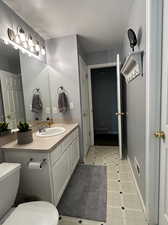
pixel 57 157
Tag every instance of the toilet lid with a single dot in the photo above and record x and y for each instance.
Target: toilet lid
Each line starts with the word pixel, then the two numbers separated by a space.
pixel 34 213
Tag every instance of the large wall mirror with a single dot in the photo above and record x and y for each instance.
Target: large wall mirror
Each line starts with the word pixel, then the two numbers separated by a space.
pixel 23 81
pixel 12 103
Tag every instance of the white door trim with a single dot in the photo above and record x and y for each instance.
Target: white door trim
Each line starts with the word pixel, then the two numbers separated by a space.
pixel 90 93
pixel 153 102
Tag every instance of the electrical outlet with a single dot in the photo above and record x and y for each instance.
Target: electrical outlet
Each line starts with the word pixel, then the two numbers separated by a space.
pixel 55 110
pixel 137 167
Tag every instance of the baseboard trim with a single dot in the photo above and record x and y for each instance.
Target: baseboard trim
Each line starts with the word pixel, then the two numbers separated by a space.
pixel 139 192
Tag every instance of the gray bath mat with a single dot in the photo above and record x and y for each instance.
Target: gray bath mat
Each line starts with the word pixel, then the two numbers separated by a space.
pixel 86 194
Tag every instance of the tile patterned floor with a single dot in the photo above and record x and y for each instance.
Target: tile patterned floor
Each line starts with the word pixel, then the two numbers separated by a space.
pixel 123 204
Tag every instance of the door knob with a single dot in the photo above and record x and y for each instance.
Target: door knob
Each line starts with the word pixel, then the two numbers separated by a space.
pixel 160 134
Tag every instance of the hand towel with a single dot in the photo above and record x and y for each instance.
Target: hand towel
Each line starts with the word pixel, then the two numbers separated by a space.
pixel 62 102
pixel 37 105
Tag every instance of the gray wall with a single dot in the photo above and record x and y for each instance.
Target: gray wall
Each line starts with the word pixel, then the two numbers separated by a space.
pixel 35 74
pixel 108 56
pixel 136 97
pixel 62 57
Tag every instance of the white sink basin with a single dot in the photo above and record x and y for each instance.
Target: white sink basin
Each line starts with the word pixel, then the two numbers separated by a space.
pixel 49 132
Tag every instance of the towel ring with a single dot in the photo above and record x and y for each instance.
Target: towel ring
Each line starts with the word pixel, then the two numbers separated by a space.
pixel 61 89
pixel 36 90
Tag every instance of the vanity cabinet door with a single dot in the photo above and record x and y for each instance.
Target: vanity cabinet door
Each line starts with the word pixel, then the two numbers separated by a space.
pixel 60 173
pixel 74 154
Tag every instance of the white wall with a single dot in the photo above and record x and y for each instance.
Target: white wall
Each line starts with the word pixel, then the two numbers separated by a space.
pixel 136 96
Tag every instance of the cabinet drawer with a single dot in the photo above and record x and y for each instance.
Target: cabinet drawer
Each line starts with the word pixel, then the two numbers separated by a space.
pixel 56 154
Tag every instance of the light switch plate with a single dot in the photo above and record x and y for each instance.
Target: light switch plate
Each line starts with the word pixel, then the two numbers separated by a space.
pixel 71 105
pixel 55 110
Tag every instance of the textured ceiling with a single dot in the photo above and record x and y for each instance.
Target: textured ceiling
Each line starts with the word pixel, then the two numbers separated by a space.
pixel 100 23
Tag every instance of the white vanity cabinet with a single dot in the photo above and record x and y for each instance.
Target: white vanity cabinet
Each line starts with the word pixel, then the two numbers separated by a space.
pixel 48 183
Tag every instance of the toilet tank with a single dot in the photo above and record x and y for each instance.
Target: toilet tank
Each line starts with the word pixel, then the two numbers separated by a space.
pixel 9 183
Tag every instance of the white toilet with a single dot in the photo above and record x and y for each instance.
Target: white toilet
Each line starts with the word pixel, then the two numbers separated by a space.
pixel 32 213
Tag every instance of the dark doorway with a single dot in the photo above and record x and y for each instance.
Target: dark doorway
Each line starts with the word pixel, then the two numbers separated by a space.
pixel 104 100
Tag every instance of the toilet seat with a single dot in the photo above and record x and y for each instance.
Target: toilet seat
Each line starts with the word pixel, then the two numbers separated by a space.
pixel 34 213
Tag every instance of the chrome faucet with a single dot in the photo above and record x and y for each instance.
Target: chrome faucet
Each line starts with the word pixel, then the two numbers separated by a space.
pixel 42 129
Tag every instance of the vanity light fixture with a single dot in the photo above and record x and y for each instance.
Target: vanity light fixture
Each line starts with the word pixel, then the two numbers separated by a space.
pixel 19 40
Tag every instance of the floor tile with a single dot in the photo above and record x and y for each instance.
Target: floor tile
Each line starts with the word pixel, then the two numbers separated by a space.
pixel 135 218
pixel 129 188
pixel 126 177
pixel 113 185
pixel 113 175
pixel 113 199
pixel 132 201
pixel 114 216
pixel 124 168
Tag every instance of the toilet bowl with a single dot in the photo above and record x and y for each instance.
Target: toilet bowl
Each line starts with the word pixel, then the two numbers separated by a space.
pixel 32 213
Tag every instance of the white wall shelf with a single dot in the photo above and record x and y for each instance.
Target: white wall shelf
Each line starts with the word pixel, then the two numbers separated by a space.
pixel 133 66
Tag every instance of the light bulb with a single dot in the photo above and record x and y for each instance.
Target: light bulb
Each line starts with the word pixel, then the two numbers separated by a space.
pixel 32 49
pixel 25 45
pixel 6 42
pixel 30 41
pixel 22 34
pixel 43 52
pixel 37 46
pixel 15 47
pixel 17 39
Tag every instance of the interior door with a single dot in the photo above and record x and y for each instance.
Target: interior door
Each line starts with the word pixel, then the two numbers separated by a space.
pixel 85 104
pixel 120 114
pixel 163 134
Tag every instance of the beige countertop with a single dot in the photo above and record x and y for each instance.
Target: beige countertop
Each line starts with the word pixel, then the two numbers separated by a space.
pixel 42 143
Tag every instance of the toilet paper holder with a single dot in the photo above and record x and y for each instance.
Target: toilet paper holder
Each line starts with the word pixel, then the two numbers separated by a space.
pixel 42 163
